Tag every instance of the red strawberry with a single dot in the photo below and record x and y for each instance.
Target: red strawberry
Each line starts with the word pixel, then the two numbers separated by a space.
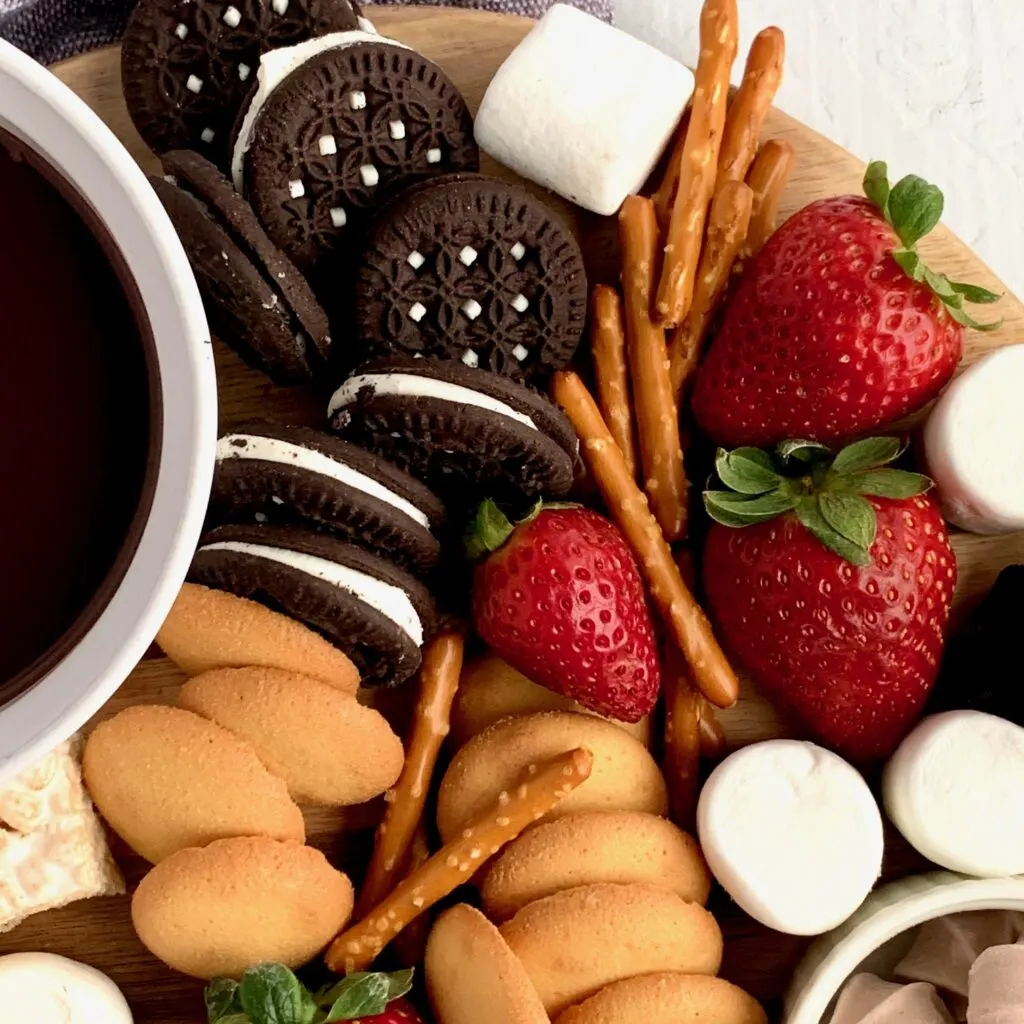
pixel 837 326
pixel 831 582
pixel 561 600
pixel 399 1012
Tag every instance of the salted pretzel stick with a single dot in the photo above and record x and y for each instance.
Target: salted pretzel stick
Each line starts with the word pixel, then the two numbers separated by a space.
pixel 698 167
pixel 439 679
pixel 410 944
pixel 664 195
pixel 540 788
pixel 727 230
pixel 712 735
pixel 767 179
pixel 761 79
pixel 628 506
pixel 611 373
pixel 682 736
pixel 661 454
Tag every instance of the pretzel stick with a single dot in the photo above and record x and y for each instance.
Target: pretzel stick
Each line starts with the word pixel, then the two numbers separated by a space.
pixel 749 108
pixel 664 195
pixel 767 179
pixel 439 679
pixel 698 167
pixel 628 506
pixel 682 736
pixel 727 230
pixel 712 735
pixel 410 944
pixel 608 346
pixel 541 787
pixel 661 454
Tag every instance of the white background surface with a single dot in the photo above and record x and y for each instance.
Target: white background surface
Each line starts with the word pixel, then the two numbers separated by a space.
pixel 932 86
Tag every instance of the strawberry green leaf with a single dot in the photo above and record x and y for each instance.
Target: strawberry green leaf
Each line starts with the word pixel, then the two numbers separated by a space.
pixel 849 515
pixel 802 451
pixel 876 185
pixel 915 207
pixel 811 518
pixel 961 316
pixel 974 292
pixel 747 470
pixel 887 483
pixel 488 529
pixel 910 262
pixel 940 284
pixel 738 510
pixel 867 454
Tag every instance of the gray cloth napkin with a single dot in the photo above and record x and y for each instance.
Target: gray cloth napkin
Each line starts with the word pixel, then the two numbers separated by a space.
pixel 51 30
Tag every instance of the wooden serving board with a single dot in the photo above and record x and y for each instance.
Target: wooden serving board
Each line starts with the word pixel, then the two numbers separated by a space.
pixel 470 46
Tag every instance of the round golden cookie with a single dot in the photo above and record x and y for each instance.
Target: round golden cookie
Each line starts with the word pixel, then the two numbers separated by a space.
pixel 327 747
pixel 601 846
pixel 490 689
pixel 239 902
pixel 472 974
pixel 624 776
pixel 209 629
pixel 166 779
pixel 667 998
pixel 574 943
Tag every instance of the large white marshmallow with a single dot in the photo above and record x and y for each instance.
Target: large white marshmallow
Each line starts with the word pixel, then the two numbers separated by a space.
pixel 583 109
pixel 974 445
pixel 955 789
pixel 42 988
pixel 793 834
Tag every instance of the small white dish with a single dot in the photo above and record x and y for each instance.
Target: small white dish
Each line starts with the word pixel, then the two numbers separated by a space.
pixel 37 109
pixel 877 937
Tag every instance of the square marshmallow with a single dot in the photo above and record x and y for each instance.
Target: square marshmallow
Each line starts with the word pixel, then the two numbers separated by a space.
pixel 583 108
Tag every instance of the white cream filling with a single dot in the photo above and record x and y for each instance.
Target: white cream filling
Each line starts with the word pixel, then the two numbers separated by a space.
pixel 284 453
pixel 275 67
pixel 365 25
pixel 391 601
pixel 413 386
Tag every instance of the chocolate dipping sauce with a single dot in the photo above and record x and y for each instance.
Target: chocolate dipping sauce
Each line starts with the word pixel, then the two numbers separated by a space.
pixel 77 399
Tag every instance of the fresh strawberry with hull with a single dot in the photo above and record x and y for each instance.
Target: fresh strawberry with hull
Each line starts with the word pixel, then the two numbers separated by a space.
pixel 560 598
pixel 831 583
pixel 837 327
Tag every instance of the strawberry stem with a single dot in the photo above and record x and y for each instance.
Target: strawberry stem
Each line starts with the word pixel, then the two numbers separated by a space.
pixel 914 207
pixel 827 493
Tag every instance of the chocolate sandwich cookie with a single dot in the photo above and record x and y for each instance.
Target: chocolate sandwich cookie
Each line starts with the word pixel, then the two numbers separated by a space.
pixel 475 269
pixel 336 127
pixel 267 472
pixel 256 301
pixel 188 65
pixel 370 609
pixel 466 432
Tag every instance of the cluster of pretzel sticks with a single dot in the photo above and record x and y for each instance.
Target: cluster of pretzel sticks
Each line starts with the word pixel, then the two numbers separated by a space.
pixel 714 207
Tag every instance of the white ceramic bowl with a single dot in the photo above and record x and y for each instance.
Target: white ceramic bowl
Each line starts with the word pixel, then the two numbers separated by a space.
pixel 878 936
pixel 39 110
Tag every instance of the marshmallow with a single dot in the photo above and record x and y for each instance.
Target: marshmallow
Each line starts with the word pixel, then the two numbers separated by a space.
pixel 974 445
pixel 866 999
pixel 792 833
pixel 48 989
pixel 945 948
pixel 955 789
pixel 583 109
pixel 996 991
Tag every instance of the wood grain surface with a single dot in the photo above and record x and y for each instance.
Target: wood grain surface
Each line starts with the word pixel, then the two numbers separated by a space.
pixel 470 46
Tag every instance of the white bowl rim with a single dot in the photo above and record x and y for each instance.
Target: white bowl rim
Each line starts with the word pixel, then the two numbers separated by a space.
pixel 889 912
pixel 46 114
